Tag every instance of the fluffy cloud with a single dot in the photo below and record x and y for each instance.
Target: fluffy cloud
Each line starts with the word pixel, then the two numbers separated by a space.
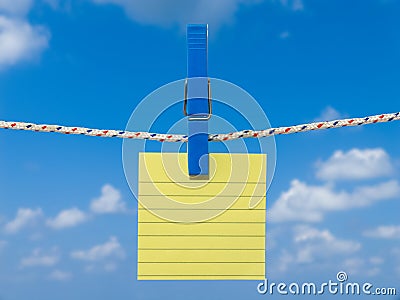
pixel 357 265
pixel 19 40
pixel 108 202
pixel 328 114
pixel 355 164
pixel 303 202
pixel 25 217
pixel 181 12
pixel 111 249
pixel 60 275
pixel 309 203
pixel 38 258
pixel 384 232
pixel 165 13
pixel 310 245
pixel 67 218
pixel 314 243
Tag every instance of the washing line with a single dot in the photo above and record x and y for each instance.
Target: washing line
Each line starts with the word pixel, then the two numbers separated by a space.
pixel 382 118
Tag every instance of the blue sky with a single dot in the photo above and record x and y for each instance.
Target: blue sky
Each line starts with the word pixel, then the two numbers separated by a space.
pixel 67 216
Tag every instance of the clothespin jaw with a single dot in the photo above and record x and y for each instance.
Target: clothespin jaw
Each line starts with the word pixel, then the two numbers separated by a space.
pixel 197 105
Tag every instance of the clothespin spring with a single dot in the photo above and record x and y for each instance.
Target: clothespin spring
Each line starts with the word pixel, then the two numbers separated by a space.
pixel 199 117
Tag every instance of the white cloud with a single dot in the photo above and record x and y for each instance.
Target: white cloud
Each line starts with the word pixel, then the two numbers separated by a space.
pixel 67 218
pixel 25 217
pixel 111 249
pixel 60 275
pixel 312 246
pixel 313 243
pixel 355 164
pixel 166 13
pixel 15 7
pixel 20 41
pixel 362 266
pixel 384 232
pixel 108 202
pixel 309 203
pixel 329 114
pixel 181 12
pixel 320 247
pixel 38 258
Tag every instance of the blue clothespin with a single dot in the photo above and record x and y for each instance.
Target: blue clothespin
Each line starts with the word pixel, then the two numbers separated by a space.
pixel 197 105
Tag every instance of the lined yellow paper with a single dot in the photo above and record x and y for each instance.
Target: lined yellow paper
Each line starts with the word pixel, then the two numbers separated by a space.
pixel 201 229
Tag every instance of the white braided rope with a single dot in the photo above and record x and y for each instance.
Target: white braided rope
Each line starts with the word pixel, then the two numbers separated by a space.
pixel 213 137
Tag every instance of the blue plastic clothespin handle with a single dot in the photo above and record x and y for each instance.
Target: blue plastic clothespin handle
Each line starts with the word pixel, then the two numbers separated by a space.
pixel 197 97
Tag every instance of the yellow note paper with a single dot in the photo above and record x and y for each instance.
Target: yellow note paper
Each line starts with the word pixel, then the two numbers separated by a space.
pixel 197 228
